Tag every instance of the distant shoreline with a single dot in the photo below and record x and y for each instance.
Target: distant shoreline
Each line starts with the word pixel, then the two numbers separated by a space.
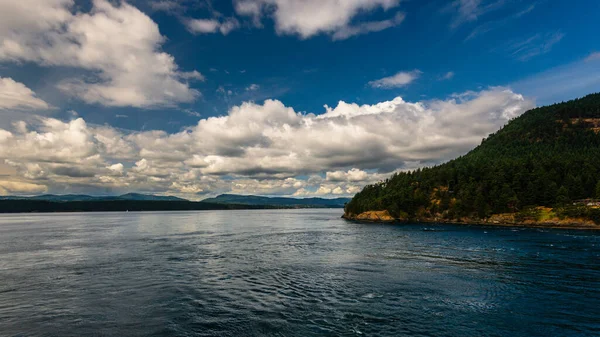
pixel 42 206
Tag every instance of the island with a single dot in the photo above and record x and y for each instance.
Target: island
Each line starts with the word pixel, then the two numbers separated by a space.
pixel 542 169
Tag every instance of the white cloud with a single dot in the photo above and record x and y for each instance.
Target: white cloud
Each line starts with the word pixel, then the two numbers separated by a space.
pixel 307 18
pixel 398 80
pixel 169 6
pixel 447 76
pixel 253 87
pixel 118 44
pixel 368 27
pixel 351 175
pixel 471 10
pixel 192 113
pixel 15 95
pixel 205 26
pixel 192 75
pixel 29 17
pixel 261 148
pixel 538 44
pixel 224 92
pixel 229 25
pixel 489 26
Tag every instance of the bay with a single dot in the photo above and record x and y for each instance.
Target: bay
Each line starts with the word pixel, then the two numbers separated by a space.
pixel 290 273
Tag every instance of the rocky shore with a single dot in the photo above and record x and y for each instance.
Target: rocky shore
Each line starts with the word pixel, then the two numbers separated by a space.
pixel 505 220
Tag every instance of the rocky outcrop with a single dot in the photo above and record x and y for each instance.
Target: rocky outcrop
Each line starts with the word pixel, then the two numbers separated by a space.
pixel 372 216
pixel 495 220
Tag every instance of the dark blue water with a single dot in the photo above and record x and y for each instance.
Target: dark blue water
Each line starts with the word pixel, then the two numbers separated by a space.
pixel 290 273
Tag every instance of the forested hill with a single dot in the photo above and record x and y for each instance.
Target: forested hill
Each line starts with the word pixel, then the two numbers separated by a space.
pixel 548 156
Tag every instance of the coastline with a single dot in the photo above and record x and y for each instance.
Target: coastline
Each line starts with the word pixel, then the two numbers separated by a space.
pixel 499 220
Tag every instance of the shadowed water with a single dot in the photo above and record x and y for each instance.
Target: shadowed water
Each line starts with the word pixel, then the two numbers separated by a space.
pixel 290 273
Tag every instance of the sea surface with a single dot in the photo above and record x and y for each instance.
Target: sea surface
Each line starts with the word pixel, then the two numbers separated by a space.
pixel 290 273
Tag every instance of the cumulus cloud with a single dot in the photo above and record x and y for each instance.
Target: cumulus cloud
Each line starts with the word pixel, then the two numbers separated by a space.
pixel 117 43
pixel 398 80
pixel 351 175
pixel 307 18
pixel 266 148
pixel 15 95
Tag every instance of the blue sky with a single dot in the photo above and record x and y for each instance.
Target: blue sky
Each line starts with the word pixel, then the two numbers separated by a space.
pixel 308 73
pixel 171 65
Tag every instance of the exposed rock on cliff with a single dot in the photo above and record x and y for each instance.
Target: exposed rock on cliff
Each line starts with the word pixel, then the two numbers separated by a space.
pixel 374 216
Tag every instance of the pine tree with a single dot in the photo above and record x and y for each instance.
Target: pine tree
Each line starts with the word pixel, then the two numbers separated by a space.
pixel 562 197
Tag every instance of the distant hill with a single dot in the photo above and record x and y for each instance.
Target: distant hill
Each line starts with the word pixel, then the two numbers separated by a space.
pixel 45 206
pixel 83 197
pixel 147 197
pixel 234 199
pixel 537 167
pixel 143 202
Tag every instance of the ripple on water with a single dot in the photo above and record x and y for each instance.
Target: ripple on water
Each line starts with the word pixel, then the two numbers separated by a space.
pixel 291 273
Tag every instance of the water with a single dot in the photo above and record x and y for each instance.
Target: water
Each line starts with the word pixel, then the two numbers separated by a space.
pixel 290 273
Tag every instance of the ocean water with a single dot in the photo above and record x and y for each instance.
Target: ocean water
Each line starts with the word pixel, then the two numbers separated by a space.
pixel 290 273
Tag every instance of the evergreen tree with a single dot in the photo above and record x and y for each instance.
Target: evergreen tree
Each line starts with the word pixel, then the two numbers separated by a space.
pixel 562 197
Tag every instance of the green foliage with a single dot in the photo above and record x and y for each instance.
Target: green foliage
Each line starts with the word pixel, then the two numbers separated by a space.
pixel 562 197
pixel 579 211
pixel 545 157
pixel 529 213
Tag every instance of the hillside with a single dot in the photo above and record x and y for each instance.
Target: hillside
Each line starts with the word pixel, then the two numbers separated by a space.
pixel 548 157
pixel 278 201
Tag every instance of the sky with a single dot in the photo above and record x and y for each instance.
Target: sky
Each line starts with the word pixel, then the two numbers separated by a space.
pixel 196 98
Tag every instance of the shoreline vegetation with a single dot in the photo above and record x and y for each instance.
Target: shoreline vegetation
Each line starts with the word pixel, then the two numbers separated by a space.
pixel 547 218
pixel 542 169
